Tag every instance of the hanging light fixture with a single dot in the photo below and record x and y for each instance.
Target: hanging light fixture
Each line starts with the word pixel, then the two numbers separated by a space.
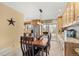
pixel 40 10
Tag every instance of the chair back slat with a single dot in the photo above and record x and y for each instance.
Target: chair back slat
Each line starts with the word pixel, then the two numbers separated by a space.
pixel 26 45
pixel 23 47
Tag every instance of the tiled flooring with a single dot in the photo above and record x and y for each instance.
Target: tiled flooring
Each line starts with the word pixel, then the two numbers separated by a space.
pixel 56 47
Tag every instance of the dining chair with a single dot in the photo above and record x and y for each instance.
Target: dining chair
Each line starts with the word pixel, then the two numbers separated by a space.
pixel 23 46
pixel 26 46
pixel 49 39
pixel 47 47
pixel 34 50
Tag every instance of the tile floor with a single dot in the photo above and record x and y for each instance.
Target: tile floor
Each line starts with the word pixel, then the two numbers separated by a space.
pixel 56 47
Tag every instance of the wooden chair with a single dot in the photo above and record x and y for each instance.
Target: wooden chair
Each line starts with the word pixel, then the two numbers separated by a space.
pixel 32 50
pixel 26 46
pixel 49 39
pixel 30 45
pixel 47 47
pixel 23 46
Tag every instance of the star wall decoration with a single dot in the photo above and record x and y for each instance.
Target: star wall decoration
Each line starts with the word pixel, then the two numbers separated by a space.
pixel 11 22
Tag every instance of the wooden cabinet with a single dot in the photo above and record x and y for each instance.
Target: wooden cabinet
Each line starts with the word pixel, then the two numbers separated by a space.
pixel 69 49
pixel 64 19
pixel 76 10
pixel 70 13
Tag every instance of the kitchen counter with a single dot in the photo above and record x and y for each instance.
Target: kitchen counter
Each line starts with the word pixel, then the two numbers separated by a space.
pixel 68 39
pixel 70 45
pixel 72 40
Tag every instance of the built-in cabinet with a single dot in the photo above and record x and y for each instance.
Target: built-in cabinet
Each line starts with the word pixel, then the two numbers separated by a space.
pixel 70 48
pixel 70 17
pixel 77 11
pixel 71 14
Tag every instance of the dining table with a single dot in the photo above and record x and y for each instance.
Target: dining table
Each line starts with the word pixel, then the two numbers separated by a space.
pixel 41 43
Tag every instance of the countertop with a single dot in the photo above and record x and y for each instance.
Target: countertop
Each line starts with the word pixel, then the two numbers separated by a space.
pixel 72 40
pixel 68 39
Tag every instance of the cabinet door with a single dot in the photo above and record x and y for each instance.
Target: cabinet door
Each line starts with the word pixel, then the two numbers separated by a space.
pixel 68 13
pixel 69 49
pixel 64 18
pixel 72 12
pixel 77 10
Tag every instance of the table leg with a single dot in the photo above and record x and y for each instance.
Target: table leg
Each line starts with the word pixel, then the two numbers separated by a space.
pixel 42 51
pixel 32 50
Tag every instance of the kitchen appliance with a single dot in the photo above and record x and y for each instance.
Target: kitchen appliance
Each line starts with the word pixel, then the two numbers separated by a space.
pixel 71 33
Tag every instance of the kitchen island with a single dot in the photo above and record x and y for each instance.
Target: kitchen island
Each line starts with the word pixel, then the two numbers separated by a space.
pixel 70 45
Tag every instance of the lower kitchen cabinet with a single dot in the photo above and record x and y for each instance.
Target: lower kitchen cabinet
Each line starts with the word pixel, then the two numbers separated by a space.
pixel 69 48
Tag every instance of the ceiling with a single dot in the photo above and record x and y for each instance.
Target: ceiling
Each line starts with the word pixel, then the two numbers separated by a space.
pixel 51 10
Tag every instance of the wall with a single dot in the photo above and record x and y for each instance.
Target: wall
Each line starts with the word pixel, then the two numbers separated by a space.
pixel 10 35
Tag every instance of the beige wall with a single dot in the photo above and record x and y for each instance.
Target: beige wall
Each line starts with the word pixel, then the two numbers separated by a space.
pixel 10 35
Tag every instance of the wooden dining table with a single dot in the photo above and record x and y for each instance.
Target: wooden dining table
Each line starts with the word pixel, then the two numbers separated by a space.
pixel 39 43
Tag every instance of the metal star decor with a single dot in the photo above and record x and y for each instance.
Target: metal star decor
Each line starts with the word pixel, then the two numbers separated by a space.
pixel 11 22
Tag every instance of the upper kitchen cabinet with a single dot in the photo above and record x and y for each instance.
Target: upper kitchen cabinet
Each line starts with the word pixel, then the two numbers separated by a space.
pixel 64 17
pixel 76 10
pixel 70 14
